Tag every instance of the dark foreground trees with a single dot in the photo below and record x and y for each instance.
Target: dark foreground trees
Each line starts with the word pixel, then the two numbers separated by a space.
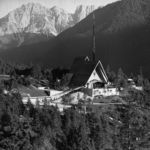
pixel 120 127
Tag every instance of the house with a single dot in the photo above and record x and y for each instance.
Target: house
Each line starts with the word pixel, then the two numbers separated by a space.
pixel 33 94
pixel 132 84
pixel 87 73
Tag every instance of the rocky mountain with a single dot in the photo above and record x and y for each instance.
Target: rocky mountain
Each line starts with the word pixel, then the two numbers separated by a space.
pixel 82 12
pixel 36 22
pixel 122 39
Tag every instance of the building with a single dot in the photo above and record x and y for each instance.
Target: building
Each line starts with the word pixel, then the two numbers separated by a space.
pixel 91 77
pixel 87 73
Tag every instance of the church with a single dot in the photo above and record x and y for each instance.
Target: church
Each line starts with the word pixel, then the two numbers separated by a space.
pixel 89 74
pixel 91 77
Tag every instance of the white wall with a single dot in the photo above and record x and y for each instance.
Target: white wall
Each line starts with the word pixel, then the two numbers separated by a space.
pixel 105 92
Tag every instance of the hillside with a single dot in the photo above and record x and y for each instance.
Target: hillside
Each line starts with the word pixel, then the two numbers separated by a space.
pixel 122 39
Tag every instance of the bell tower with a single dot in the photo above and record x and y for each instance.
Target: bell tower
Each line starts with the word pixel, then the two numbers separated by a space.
pixel 94 40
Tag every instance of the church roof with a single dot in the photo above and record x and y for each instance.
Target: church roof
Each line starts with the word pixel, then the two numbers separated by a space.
pixel 82 68
pixel 82 65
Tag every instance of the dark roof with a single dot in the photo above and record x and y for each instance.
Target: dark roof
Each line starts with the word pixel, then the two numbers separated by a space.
pixel 31 90
pixel 82 68
pixel 81 65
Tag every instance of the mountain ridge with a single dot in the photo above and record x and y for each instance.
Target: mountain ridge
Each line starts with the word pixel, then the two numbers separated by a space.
pixel 117 44
pixel 37 19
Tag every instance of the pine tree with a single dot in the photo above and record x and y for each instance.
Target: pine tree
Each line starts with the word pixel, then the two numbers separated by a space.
pixel 121 79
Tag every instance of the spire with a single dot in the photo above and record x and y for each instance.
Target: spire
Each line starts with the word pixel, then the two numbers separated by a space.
pixel 94 46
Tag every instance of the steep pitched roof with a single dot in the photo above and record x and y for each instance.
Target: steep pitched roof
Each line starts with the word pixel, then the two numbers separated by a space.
pixel 101 72
pixel 82 68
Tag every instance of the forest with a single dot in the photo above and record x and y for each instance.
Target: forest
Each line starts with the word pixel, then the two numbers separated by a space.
pixel 109 127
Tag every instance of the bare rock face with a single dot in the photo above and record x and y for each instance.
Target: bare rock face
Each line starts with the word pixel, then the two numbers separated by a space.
pixel 24 23
pixel 82 11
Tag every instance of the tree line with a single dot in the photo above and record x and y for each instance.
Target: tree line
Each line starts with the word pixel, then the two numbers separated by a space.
pixel 121 127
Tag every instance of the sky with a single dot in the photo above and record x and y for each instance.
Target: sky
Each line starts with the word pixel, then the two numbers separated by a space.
pixel 69 5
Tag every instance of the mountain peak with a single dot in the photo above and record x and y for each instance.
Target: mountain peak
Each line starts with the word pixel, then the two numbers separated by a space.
pixel 57 9
pixel 33 18
pixel 85 7
pixel 82 11
pixel 31 4
pixel 34 8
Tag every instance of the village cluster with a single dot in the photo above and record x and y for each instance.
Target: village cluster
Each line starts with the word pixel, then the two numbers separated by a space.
pixel 88 83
